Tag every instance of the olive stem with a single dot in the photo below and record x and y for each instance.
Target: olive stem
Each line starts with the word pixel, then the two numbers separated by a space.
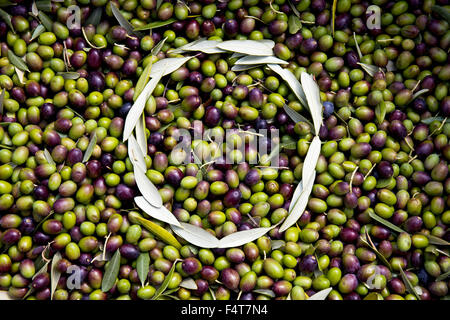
pixel 351 178
pixel 370 171
pixel 239 295
pixel 439 128
pixel 273 9
pixel 88 42
pixel 252 17
pixel 410 160
pixel 104 246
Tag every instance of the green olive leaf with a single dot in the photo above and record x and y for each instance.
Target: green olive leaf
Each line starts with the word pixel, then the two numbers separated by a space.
pixel 380 112
pixel 384 222
pixel 333 17
pixel 166 281
pixel 147 188
pixel 295 116
pixel 357 46
pixel 44 5
pixel 266 292
pixel 90 148
pixel 408 284
pixel 156 49
pixel 2 99
pixel 294 9
pixel 142 81
pixel 443 276
pixel 69 75
pixel 436 240
pixel 158 4
pixel 7 18
pixel 156 24
pixel 294 24
pixel 6 3
pixel 159 232
pixel 40 29
pixel 369 243
pixel 45 20
pixel 94 18
pixel 277 244
pixel 17 62
pixel 55 274
pixel 49 157
pixel 124 22
pixel 143 266
pixel 321 295
pixel 431 119
pixel 444 12
pixel 418 93
pixel 111 272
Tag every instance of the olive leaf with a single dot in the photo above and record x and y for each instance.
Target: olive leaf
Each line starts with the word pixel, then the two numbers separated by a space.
pixel 40 29
pixel 295 116
pixel 189 284
pixel 380 112
pixel 4 295
pixel 7 18
pixel 160 213
pixel 294 24
pixel 147 188
pixel 45 20
pixel 333 16
pixel 69 75
pixel 309 165
pixel 95 17
pixel 111 272
pixel 369 243
pixel 2 99
pixel 138 107
pixel 166 281
pixel 250 47
pixel 408 284
pixel 444 12
pixel 418 93
pixel 321 295
pixel 251 60
pixel 277 244
pixel 55 274
pixel 17 62
pixel 243 67
pixel 135 154
pixel 6 3
pixel 242 237
pixel 443 276
pixel 384 222
pixel 312 93
pixel 156 49
pixel 431 119
pixel 158 4
pixel 294 9
pixel 143 266
pixel 300 206
pixel 292 81
pixel 436 240
pixel 266 292
pixel 124 22
pixel 90 148
pixel 167 66
pixel 156 24
pixel 369 68
pixel 391 66
pixel 195 235
pixel 141 137
pixel 142 81
pixel 296 195
pixel 160 232
pixel 48 157
pixel 20 75
pixel 44 5
pixel 203 45
pixel 357 46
